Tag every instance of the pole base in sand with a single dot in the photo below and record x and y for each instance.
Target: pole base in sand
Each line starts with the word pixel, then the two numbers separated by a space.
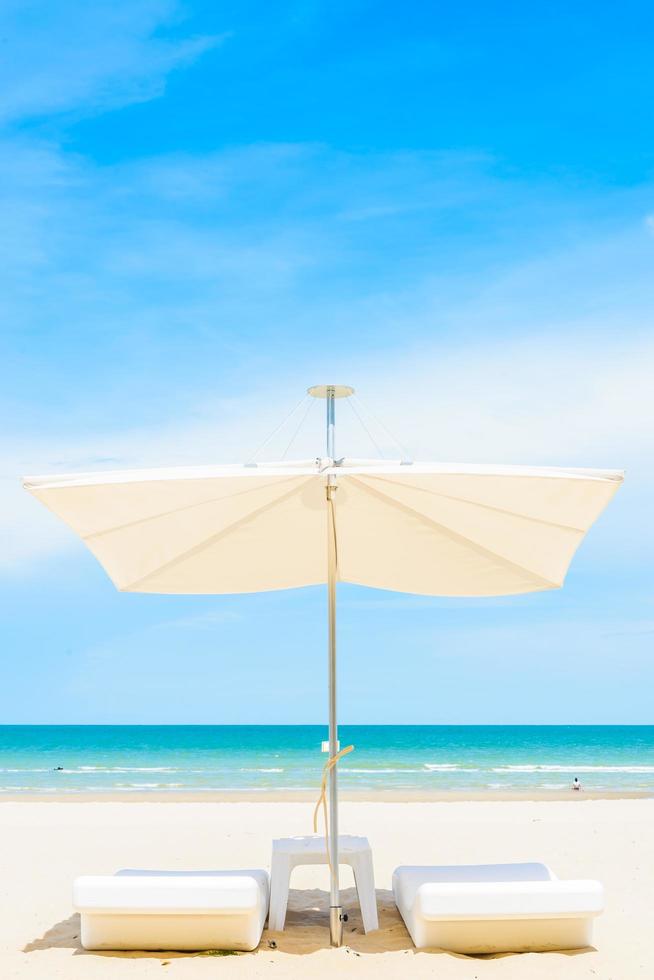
pixel 336 920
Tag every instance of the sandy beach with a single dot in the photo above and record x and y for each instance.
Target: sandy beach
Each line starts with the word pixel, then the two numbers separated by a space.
pixel 46 844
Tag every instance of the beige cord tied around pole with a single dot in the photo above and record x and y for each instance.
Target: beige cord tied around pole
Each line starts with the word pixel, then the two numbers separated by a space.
pixel 322 799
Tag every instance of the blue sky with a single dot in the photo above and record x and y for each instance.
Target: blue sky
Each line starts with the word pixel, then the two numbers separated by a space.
pixel 207 207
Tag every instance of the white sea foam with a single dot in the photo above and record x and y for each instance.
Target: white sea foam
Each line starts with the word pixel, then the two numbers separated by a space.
pixel 262 770
pixel 376 771
pixel 136 787
pixel 25 770
pixel 573 769
pixel 124 769
pixel 449 767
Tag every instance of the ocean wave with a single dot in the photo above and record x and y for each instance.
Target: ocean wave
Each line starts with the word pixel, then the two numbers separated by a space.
pixel 573 769
pixel 142 785
pixel 28 789
pixel 449 767
pixel 25 770
pixel 125 769
pixel 376 771
pixel 261 770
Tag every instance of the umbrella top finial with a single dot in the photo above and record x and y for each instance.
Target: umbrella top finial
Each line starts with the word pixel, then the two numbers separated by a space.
pixel 333 391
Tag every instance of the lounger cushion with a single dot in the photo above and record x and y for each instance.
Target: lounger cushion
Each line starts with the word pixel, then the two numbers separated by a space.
pixel 409 878
pixel 179 892
pixel 488 908
pixel 138 909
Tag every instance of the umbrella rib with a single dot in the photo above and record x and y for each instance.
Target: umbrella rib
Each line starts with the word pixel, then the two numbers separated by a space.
pixel 180 510
pixel 207 542
pixel 477 503
pixel 454 535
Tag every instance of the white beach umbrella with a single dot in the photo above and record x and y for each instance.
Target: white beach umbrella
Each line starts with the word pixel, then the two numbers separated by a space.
pixel 428 528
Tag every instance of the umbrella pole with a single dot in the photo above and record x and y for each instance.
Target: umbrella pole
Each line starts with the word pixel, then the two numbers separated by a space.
pixel 336 918
pixel 335 908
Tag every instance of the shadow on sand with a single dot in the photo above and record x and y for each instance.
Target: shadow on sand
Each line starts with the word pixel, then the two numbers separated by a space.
pixel 306 931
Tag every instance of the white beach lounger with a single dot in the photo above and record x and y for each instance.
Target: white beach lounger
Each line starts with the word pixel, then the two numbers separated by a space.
pixel 172 910
pixel 493 908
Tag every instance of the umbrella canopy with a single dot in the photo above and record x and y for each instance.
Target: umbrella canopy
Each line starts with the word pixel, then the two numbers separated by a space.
pixel 425 528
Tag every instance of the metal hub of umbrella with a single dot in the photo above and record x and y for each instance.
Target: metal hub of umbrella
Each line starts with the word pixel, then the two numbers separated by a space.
pixel 428 528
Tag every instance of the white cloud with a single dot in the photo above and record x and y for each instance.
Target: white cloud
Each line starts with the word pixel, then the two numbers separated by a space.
pixel 545 358
pixel 133 293
pixel 72 55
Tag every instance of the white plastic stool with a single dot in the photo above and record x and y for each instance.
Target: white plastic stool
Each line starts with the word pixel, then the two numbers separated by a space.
pixel 289 852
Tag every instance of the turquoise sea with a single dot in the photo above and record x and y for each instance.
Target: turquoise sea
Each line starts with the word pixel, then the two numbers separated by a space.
pixel 139 758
